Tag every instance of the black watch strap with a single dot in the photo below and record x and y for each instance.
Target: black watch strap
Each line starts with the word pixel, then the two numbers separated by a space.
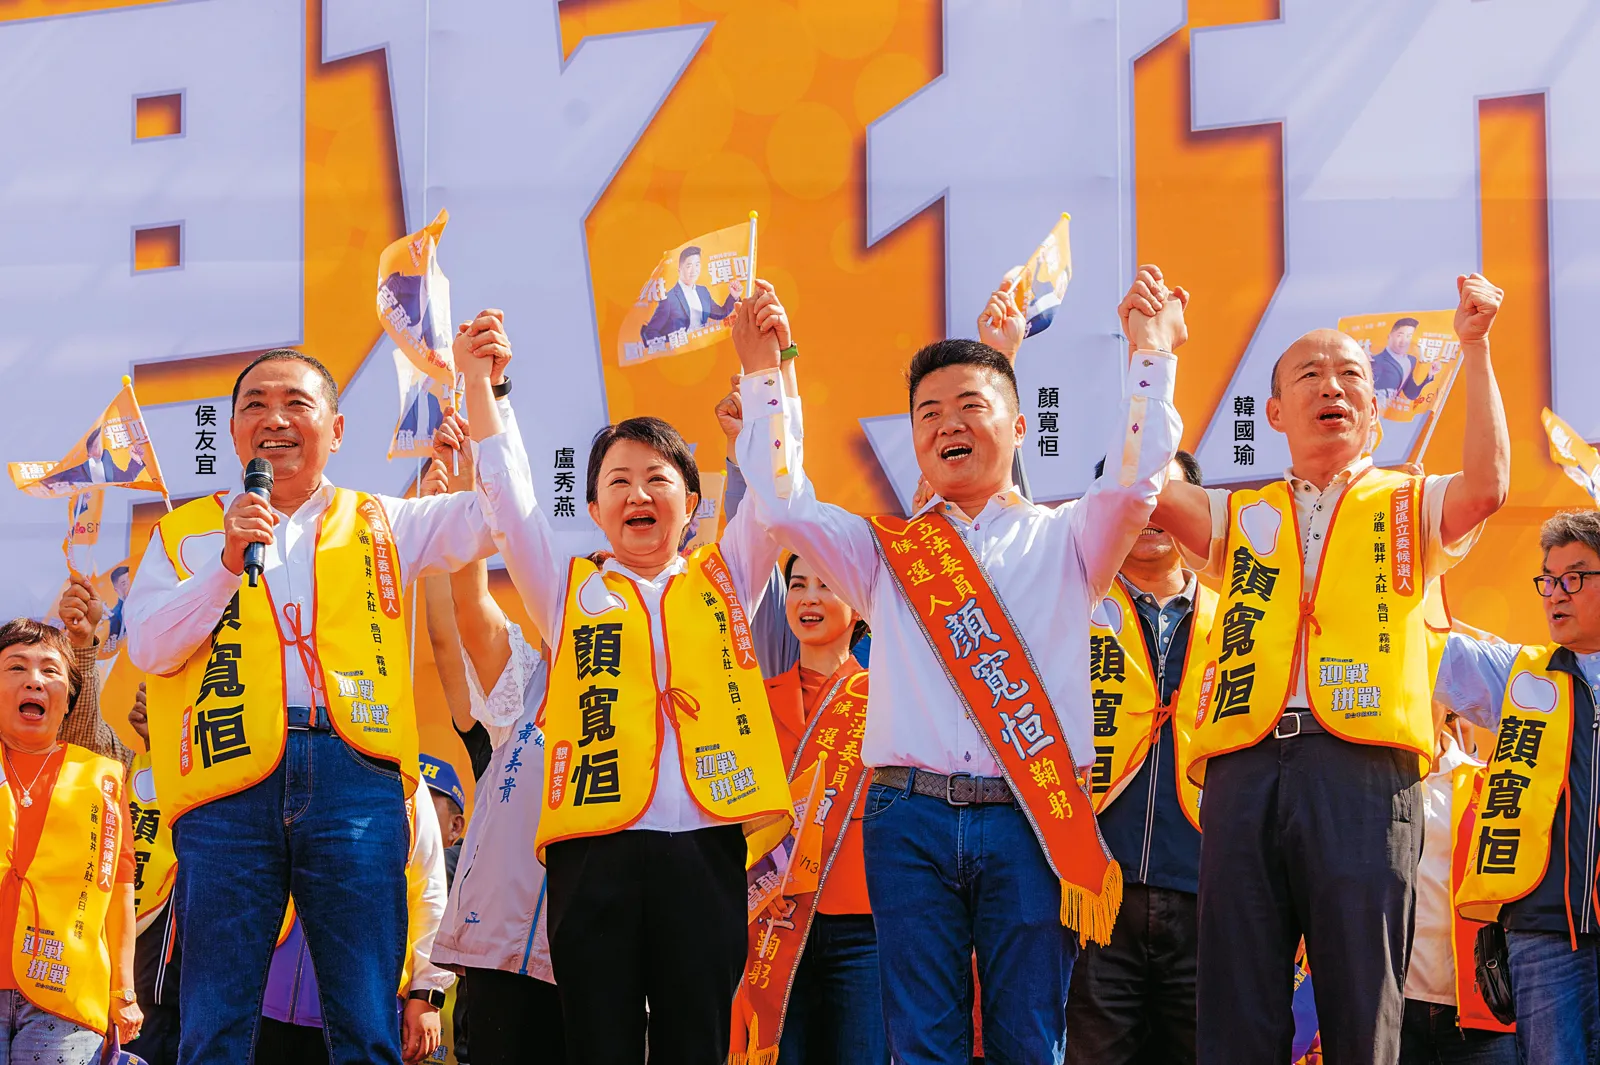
pixel 503 389
pixel 432 996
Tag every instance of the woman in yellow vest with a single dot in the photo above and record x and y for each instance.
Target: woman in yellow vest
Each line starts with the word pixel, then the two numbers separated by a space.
pixel 69 923
pixel 663 772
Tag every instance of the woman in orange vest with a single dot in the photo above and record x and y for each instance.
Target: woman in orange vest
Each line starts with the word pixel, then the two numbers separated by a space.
pixel 69 923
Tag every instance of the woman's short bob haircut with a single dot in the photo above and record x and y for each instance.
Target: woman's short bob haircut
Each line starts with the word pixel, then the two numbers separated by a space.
pixel 654 434
pixel 29 631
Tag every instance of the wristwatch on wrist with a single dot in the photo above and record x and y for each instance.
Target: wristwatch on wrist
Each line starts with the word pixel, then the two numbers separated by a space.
pixel 503 389
pixel 127 994
pixel 431 996
pixel 788 353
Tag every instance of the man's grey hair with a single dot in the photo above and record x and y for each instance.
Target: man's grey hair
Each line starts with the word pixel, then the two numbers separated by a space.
pixel 1571 527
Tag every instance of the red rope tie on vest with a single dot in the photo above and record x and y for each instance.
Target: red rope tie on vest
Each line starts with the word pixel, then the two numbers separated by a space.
pixel 1307 607
pixel 670 703
pixel 24 882
pixel 310 661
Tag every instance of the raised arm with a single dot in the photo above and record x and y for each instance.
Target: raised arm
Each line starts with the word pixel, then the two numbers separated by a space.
pixel 1119 503
pixel 80 610
pixel 1472 680
pixel 771 456
pixel 1485 479
pixel 519 526
pixel 1003 325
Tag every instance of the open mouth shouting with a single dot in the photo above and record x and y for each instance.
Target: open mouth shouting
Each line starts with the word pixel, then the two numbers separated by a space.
pixel 1336 415
pixel 640 520
pixel 31 710
pixel 953 453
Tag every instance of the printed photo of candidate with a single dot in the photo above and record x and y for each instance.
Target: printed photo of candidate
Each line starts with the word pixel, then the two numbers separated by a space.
pixel 687 305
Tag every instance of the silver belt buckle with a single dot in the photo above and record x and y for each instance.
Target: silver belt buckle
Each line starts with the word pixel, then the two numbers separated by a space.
pixel 950 785
pixel 1277 730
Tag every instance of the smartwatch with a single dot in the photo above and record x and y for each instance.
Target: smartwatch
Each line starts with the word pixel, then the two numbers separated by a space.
pixel 431 996
pixel 788 353
pixel 503 389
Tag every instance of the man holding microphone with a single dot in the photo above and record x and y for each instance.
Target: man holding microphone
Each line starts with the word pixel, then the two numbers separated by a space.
pixel 282 730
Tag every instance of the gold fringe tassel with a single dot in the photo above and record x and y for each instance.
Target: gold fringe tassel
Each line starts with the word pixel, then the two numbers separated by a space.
pixel 766 1056
pixel 1092 916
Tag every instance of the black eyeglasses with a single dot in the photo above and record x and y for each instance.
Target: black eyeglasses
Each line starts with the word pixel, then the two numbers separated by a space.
pixel 1571 582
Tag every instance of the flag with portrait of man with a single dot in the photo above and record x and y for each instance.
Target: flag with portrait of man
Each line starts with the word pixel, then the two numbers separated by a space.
pixel 688 302
pixel 115 453
pixel 1041 283
pixel 1415 355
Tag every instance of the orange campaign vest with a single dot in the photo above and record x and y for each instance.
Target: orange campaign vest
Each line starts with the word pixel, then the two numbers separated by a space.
pixel 777 938
pixel 1128 711
pixel 1359 628
pixel 992 670
pixel 1472 1011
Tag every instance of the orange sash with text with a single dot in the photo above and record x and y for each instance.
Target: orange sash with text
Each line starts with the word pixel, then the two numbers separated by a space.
pixel 990 667
pixel 778 935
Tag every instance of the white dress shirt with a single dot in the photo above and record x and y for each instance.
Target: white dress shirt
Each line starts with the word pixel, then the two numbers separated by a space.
pixel 422 923
pixel 697 311
pixel 1050 567
pixel 166 619
pixel 1313 513
pixel 1432 976
pixel 522 532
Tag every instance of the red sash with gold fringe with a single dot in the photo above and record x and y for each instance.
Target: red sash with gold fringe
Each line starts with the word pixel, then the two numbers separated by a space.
pixel 990 667
pixel 778 934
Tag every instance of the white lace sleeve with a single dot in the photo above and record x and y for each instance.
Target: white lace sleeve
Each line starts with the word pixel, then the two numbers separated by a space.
pixel 504 704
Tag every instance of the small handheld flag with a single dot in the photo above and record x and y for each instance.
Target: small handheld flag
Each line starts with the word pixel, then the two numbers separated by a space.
pixel 116 453
pixel 1041 282
pixel 687 303
pixel 1578 459
pixel 414 301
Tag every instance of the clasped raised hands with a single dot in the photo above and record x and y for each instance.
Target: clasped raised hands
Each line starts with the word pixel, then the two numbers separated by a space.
pixel 481 346
pixel 1152 314
pixel 760 329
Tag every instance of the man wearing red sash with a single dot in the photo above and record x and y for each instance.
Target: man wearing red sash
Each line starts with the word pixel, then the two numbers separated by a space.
pixel 977 831
pixel 1314 723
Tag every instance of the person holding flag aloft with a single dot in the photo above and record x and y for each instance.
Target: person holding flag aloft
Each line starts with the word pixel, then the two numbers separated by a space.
pixel 282 730
pixel 978 723
pixel 663 773
pixel 1314 723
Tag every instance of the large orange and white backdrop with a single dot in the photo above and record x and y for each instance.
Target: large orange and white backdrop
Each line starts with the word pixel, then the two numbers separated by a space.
pixel 188 182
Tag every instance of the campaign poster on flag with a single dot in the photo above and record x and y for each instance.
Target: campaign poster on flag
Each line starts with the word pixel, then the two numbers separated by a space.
pixel 414 301
pixel 792 867
pixel 1413 353
pixel 116 453
pixel 687 301
pixel 423 400
pixel 111 586
pixel 1042 281
pixel 1576 457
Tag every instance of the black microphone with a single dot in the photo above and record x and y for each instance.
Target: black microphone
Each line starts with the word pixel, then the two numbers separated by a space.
pixel 258 482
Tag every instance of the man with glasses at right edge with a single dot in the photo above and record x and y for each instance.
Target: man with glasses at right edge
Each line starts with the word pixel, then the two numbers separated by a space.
pixel 1540 787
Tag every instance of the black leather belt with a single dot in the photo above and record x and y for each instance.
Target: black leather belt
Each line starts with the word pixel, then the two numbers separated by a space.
pixel 309 719
pixel 957 789
pixel 1296 723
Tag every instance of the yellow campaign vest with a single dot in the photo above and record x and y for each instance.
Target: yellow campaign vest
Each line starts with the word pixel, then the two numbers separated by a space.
pixel 1522 786
pixel 156 863
pixel 1362 632
pixel 230 731
pixel 603 709
pixel 59 956
pixel 1122 688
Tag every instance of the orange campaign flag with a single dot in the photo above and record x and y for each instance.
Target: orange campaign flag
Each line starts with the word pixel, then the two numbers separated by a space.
pixel 686 304
pixel 1042 281
pixel 1569 451
pixel 1415 355
pixel 414 301
pixel 116 453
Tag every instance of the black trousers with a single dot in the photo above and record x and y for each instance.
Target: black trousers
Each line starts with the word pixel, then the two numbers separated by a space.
pixel 278 1043
pixel 1316 837
pixel 655 917
pixel 1132 1000
pixel 158 1039
pixel 516 1020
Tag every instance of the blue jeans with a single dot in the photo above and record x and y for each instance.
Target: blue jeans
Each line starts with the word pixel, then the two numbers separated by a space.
pixel 835 1014
pixel 330 825
pixel 29 1034
pixel 1557 991
pixel 1432 1035
pixel 945 880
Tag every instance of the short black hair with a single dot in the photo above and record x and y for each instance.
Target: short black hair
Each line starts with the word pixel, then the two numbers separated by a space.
pixel 330 387
pixel 1186 462
pixel 958 351
pixel 1403 322
pixel 685 253
pixel 651 432
pixel 117 571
